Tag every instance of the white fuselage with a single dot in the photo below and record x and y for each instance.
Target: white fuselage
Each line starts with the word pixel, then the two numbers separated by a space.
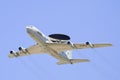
pixel 41 39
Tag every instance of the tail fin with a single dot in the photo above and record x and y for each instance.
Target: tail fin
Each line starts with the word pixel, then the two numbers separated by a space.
pixel 72 61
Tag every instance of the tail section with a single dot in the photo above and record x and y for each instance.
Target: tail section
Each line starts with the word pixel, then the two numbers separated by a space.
pixel 72 61
pixel 79 60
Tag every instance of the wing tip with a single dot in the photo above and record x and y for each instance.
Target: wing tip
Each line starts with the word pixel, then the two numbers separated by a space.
pixel 110 44
pixel 10 56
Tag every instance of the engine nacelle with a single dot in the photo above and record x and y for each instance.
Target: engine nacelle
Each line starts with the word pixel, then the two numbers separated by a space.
pixel 89 44
pixel 12 52
pixel 22 49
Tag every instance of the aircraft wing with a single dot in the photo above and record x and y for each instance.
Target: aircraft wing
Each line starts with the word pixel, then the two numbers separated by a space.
pixel 31 50
pixel 62 47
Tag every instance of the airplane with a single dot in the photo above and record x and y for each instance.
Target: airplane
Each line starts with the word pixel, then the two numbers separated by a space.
pixel 57 45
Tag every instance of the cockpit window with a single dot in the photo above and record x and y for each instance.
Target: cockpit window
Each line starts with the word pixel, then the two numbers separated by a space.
pixel 39 33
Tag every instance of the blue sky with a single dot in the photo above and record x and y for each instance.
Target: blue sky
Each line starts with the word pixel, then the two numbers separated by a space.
pixel 96 21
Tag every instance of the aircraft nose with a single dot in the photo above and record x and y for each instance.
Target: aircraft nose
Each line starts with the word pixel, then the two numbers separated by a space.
pixel 28 28
pixel 31 29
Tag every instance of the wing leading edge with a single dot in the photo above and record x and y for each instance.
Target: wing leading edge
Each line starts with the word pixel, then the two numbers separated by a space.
pixel 62 47
pixel 35 49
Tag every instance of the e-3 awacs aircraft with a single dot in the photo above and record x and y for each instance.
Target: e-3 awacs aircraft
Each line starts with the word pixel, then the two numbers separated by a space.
pixel 57 45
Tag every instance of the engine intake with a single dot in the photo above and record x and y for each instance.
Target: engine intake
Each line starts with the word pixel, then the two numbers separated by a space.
pixel 89 44
pixel 12 52
pixel 20 48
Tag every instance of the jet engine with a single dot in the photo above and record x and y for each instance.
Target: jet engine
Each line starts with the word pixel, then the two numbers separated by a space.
pixel 89 44
pixel 12 52
pixel 22 49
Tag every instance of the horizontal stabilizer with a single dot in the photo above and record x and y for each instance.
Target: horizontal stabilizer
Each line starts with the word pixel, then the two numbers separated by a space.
pixel 79 60
pixel 72 61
